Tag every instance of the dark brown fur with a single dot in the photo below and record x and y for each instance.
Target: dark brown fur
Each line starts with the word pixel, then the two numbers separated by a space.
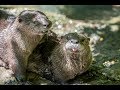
pixel 19 40
pixel 38 60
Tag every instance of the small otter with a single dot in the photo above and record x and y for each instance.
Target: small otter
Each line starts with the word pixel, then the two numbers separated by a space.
pixel 68 57
pixel 19 40
pixel 5 19
pixel 71 57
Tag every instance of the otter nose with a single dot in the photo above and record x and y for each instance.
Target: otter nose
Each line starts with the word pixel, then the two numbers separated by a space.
pixel 74 41
pixel 47 24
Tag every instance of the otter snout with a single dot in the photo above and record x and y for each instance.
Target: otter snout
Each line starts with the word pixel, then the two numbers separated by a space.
pixel 47 24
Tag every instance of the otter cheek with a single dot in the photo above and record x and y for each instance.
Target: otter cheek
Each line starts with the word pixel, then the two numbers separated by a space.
pixel 81 47
pixel 68 45
pixel 77 48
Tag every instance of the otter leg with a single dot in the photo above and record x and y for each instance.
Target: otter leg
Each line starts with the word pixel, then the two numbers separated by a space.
pixel 15 61
pixel 17 70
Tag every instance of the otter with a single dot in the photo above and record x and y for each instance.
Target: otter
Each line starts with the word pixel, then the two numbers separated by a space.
pixel 5 19
pixel 71 57
pixel 18 41
pixel 68 57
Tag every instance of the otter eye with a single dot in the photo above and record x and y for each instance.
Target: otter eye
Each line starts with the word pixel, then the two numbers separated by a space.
pixel 82 40
pixel 19 20
pixel 34 15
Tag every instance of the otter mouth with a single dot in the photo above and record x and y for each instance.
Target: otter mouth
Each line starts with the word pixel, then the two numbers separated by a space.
pixel 45 31
pixel 74 50
pixel 41 32
pixel 74 53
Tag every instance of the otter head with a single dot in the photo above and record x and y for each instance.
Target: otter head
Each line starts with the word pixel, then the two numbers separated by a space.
pixel 75 43
pixel 72 56
pixel 34 22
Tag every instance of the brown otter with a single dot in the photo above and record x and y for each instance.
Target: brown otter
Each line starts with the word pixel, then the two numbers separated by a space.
pixel 19 40
pixel 5 19
pixel 69 57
